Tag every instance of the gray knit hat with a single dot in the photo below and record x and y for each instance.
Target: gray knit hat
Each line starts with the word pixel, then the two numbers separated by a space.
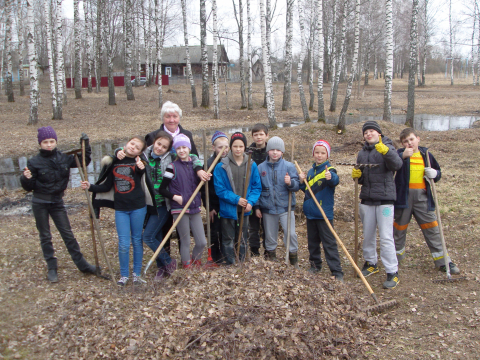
pixel 371 125
pixel 275 143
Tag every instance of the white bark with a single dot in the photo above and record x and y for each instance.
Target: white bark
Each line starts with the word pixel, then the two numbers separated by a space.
pixel 203 45
pixel 215 62
pixel 451 41
pixel 32 56
pixel 310 52
pixel 88 44
pixel 321 49
pixel 267 69
pixel 287 86
pixel 78 43
pixel 306 116
pixel 425 40
pixel 51 66
pixel 413 66
pixel 249 57
pixel 160 35
pixel 187 54
pixel 98 47
pixel 473 43
pixel 109 37
pixel 478 46
pixel 9 49
pixel 387 96
pixel 60 68
pixel 239 20
pixel 128 48
pixel 339 58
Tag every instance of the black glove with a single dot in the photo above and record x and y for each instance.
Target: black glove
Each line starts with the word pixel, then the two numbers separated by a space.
pixel 85 138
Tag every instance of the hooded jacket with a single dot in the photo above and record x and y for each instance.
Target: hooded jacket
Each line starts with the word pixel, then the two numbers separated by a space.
pixel 274 196
pixel 377 182
pixel 323 189
pixel 402 179
pixel 224 187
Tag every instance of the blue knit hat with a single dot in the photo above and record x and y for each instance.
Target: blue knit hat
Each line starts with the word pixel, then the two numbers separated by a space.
pixel 218 134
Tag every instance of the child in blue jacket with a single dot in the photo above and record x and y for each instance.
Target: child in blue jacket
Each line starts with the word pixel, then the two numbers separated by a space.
pixel 278 177
pixel 230 175
pixel 322 178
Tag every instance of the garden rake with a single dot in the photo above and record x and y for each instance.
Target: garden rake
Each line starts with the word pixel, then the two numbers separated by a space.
pixel 379 306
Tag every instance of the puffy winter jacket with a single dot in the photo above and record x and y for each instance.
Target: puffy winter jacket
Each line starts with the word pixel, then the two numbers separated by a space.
pixel 224 188
pixel 402 179
pixel 377 182
pixel 323 189
pixel 274 196
pixel 50 173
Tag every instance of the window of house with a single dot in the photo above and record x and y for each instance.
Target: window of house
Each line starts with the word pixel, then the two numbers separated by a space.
pixel 168 71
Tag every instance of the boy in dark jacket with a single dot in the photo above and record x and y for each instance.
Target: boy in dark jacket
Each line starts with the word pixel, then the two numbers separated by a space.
pixel 219 141
pixel 230 176
pixel 378 195
pixel 47 176
pixel 322 178
pixel 414 197
pixel 260 137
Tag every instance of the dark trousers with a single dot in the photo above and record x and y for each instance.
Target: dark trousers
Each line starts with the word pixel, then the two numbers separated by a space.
pixel 230 230
pixel 318 232
pixel 58 213
pixel 216 239
pixel 255 231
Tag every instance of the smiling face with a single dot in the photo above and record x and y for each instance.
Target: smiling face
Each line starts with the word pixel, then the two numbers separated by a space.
pixel 371 136
pixel 133 148
pixel 411 141
pixel 48 144
pixel 260 138
pixel 160 147
pixel 183 152
pixel 274 155
pixel 171 121
pixel 238 148
pixel 219 144
pixel 320 154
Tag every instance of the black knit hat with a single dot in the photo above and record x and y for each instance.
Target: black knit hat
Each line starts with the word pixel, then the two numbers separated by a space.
pixel 238 136
pixel 371 125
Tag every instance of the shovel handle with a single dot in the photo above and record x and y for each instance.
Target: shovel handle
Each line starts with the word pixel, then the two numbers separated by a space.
pixel 367 285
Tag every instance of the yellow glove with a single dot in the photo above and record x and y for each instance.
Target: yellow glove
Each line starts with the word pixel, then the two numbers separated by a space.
pixel 381 147
pixel 356 173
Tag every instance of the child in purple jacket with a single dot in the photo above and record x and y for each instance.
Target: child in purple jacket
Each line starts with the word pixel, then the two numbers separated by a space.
pixel 179 182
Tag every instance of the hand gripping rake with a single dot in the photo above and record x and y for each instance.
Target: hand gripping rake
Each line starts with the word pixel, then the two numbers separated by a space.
pixel 378 305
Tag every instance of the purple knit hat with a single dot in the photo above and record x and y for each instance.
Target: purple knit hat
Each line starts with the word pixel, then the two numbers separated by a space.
pixel 46 132
pixel 181 140
pixel 218 134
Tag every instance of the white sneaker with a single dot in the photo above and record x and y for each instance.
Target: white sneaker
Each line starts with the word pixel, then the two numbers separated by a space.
pixel 123 281
pixel 137 280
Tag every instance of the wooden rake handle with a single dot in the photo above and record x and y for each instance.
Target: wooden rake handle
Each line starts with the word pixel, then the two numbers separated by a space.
pixel 367 285
pixel 245 190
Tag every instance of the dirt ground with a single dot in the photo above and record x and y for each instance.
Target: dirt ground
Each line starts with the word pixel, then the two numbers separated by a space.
pixel 259 309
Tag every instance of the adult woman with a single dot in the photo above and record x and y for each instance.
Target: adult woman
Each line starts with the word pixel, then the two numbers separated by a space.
pixel 171 114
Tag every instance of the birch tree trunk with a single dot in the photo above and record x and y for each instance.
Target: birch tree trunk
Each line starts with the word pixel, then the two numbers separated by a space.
pixel 249 57
pixel 203 45
pixel 187 53
pixel 159 31
pixel 303 101
pixel 333 48
pixel 310 59
pixel 473 42
pixel 287 86
pixel 32 56
pixel 321 49
pixel 128 49
pixel 78 43
pixel 348 94
pixel 425 41
pixel 339 58
pixel 451 41
pixel 239 20
pixel 146 42
pixel 266 65
pixel 51 66
pixel 387 95
pixel 413 66
pixel 216 114
pixel 98 47
pixel 478 46
pixel 9 49
pixel 109 38
pixel 20 36
pixel 138 67
pixel 88 44
pixel 60 68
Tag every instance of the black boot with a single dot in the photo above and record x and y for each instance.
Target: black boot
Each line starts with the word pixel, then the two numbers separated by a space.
pixel 255 251
pixel 271 255
pixel 85 267
pixel 52 276
pixel 293 257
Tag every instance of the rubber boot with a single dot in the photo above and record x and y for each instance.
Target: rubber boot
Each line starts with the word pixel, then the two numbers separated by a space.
pixel 271 255
pixel 293 257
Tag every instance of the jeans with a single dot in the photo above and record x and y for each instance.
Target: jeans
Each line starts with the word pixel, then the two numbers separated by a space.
pixel 153 235
pixel 129 228
pixel 58 213
pixel 230 229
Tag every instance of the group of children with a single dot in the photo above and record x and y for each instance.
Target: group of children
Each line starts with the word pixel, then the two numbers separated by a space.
pixel 146 184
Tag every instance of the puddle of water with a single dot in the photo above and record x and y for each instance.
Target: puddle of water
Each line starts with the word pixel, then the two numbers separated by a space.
pixel 11 168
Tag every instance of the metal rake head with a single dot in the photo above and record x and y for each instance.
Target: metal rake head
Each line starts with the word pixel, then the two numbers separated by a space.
pixel 381 306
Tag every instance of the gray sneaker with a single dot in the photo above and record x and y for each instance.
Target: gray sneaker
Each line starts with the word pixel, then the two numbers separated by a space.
pixel 52 276
pixel 392 281
pixel 454 270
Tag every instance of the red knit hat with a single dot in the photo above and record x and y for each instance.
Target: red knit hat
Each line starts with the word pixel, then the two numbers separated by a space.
pixel 323 143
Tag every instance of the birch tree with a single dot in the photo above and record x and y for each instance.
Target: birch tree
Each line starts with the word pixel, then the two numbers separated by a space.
pixel 249 57
pixel 9 49
pixel 187 55
pixel 20 36
pixel 387 95
pixel 426 30
pixel 473 42
pixel 451 41
pixel 60 68
pixel 413 66
pixel 159 42
pixel 109 18
pixel 51 66
pixel 203 45
pixel 339 58
pixel 266 66
pixel 88 44
pixel 478 46
pixel 348 94
pixel 32 56
pixel 146 41
pixel 303 101
pixel 215 62
pixel 321 49
pixel 287 86
pixel 239 20
pixel 128 48
pixel 98 47
pixel 311 48
pixel 78 43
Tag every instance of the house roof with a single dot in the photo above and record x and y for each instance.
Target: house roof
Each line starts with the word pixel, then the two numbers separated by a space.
pixel 177 54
